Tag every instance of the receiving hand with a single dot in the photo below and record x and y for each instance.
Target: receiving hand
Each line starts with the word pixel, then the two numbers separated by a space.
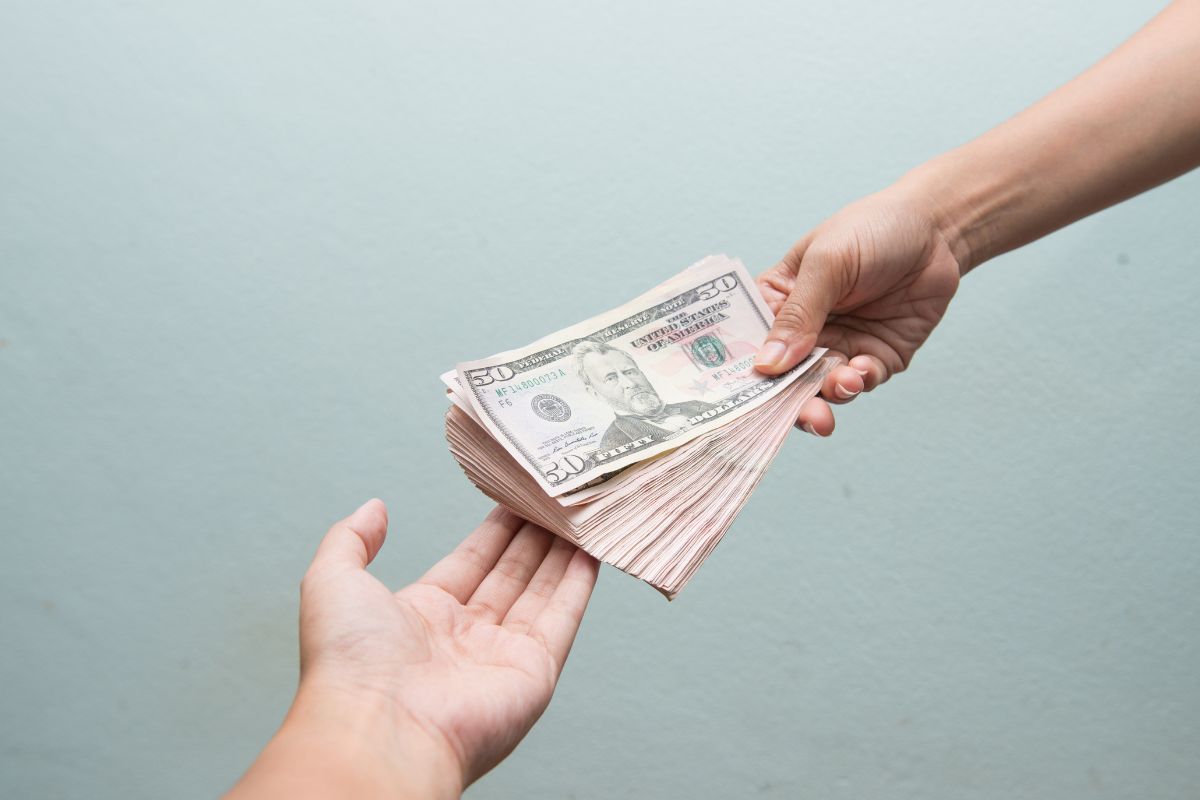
pixel 434 684
pixel 870 283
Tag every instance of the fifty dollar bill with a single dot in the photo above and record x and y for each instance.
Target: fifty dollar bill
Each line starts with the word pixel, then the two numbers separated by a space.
pixel 673 364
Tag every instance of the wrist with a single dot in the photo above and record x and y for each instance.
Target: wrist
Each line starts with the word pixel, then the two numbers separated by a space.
pixel 337 741
pixel 932 189
pixel 966 201
pixel 375 734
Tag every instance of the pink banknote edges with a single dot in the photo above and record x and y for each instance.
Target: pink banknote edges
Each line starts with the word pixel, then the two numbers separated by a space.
pixel 574 469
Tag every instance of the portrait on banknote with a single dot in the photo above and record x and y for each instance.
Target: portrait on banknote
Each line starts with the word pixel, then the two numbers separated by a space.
pixel 578 405
pixel 611 374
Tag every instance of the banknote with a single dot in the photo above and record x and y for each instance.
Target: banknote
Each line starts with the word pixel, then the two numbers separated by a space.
pixel 677 362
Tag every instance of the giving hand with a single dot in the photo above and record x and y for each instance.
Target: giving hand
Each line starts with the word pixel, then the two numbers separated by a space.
pixel 870 283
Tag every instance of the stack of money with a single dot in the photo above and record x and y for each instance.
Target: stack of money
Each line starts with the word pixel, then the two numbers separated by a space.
pixel 638 434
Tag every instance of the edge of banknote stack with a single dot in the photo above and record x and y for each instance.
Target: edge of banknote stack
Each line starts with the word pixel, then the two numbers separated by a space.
pixel 638 434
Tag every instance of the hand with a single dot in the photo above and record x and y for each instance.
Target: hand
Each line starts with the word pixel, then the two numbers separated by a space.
pixel 870 284
pixel 424 690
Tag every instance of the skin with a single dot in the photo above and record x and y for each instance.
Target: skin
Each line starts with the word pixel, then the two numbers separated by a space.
pixel 417 693
pixel 874 280
pixel 615 378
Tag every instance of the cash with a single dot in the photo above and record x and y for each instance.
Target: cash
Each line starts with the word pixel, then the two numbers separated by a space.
pixel 638 434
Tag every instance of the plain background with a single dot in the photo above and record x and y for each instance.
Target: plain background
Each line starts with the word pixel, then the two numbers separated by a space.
pixel 240 240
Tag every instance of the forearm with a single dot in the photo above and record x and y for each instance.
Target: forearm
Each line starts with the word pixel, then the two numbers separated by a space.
pixel 330 746
pixel 1126 125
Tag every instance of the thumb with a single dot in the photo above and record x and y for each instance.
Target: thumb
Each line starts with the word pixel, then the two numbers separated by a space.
pixel 818 285
pixel 355 541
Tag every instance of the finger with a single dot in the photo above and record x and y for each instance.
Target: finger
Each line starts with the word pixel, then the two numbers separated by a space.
pixel 460 573
pixel 815 417
pixel 842 384
pixel 502 586
pixel 775 284
pixel 541 587
pixel 818 287
pixel 557 624
pixel 872 370
pixel 353 542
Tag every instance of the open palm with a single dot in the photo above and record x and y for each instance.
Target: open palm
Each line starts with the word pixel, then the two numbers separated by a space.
pixel 471 652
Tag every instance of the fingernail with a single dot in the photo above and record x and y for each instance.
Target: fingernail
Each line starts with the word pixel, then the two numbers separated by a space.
pixel 771 353
pixel 861 372
pixel 361 516
pixel 808 428
pixel 842 392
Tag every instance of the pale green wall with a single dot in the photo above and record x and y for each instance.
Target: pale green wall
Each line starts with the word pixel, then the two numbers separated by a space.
pixel 238 242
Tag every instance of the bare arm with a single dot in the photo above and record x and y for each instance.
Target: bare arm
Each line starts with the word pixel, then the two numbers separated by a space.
pixel 1126 125
pixel 874 280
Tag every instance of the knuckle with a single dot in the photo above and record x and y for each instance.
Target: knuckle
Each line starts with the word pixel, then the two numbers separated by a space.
pixel 825 253
pixel 783 272
pixel 834 261
pixel 831 261
pixel 790 263
pixel 791 317
pixel 777 281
